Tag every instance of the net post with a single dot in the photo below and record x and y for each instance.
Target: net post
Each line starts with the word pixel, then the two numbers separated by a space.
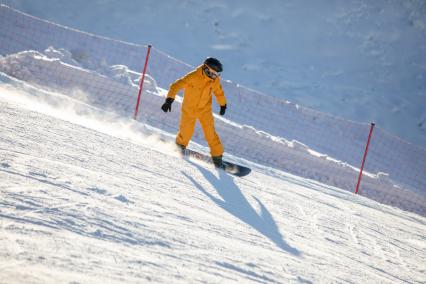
pixel 365 157
pixel 141 82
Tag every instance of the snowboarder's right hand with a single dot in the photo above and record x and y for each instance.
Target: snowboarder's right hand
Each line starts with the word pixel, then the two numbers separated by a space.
pixel 222 110
pixel 167 106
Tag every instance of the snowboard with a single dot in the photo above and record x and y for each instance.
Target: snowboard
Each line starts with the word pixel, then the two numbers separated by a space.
pixel 231 168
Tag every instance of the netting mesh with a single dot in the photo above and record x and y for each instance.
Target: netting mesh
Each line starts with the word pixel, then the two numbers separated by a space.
pixel 258 128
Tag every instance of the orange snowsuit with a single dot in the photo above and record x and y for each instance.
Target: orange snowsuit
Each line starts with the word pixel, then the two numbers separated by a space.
pixel 197 104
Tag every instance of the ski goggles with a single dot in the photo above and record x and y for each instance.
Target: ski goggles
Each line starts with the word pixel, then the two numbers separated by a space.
pixel 212 74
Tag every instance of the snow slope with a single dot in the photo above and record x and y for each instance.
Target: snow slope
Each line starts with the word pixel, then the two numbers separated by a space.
pixel 88 198
pixel 362 60
pixel 102 73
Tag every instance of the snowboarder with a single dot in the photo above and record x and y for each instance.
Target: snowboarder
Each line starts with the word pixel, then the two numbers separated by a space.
pixel 198 86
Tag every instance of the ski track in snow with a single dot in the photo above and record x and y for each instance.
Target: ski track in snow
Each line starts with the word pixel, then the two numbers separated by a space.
pixel 82 206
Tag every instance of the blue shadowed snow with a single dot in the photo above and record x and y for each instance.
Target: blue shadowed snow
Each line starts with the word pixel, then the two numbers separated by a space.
pixel 235 203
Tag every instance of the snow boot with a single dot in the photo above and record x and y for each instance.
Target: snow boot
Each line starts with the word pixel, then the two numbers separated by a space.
pixel 217 161
pixel 181 148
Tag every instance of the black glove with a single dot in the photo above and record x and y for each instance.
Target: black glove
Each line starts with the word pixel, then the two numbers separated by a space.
pixel 222 110
pixel 167 106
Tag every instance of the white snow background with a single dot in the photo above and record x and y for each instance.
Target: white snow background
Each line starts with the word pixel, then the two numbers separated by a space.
pixel 89 195
pixel 361 60
pixel 83 201
pixel 102 72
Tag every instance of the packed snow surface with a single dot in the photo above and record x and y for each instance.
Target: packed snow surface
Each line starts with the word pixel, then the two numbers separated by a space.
pixel 88 198
pixel 102 73
pixel 89 195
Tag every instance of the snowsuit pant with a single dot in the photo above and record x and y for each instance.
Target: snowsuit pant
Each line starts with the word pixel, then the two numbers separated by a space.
pixel 187 126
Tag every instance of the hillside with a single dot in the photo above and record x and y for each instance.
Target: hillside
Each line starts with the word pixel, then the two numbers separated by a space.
pixel 91 194
pixel 86 199
pixel 103 73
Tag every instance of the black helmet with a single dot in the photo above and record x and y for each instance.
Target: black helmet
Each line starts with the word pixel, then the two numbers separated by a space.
pixel 214 64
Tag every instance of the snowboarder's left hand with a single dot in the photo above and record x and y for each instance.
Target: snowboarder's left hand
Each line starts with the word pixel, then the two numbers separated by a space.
pixel 222 110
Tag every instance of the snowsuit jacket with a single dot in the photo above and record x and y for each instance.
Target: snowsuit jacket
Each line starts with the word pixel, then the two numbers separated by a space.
pixel 198 89
pixel 197 104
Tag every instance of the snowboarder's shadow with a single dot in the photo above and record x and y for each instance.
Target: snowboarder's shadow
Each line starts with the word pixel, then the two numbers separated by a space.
pixel 236 204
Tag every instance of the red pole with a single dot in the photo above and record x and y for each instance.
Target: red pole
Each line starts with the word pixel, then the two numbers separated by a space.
pixel 141 82
pixel 365 156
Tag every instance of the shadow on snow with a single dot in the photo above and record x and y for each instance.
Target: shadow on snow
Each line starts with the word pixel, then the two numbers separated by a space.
pixel 234 202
